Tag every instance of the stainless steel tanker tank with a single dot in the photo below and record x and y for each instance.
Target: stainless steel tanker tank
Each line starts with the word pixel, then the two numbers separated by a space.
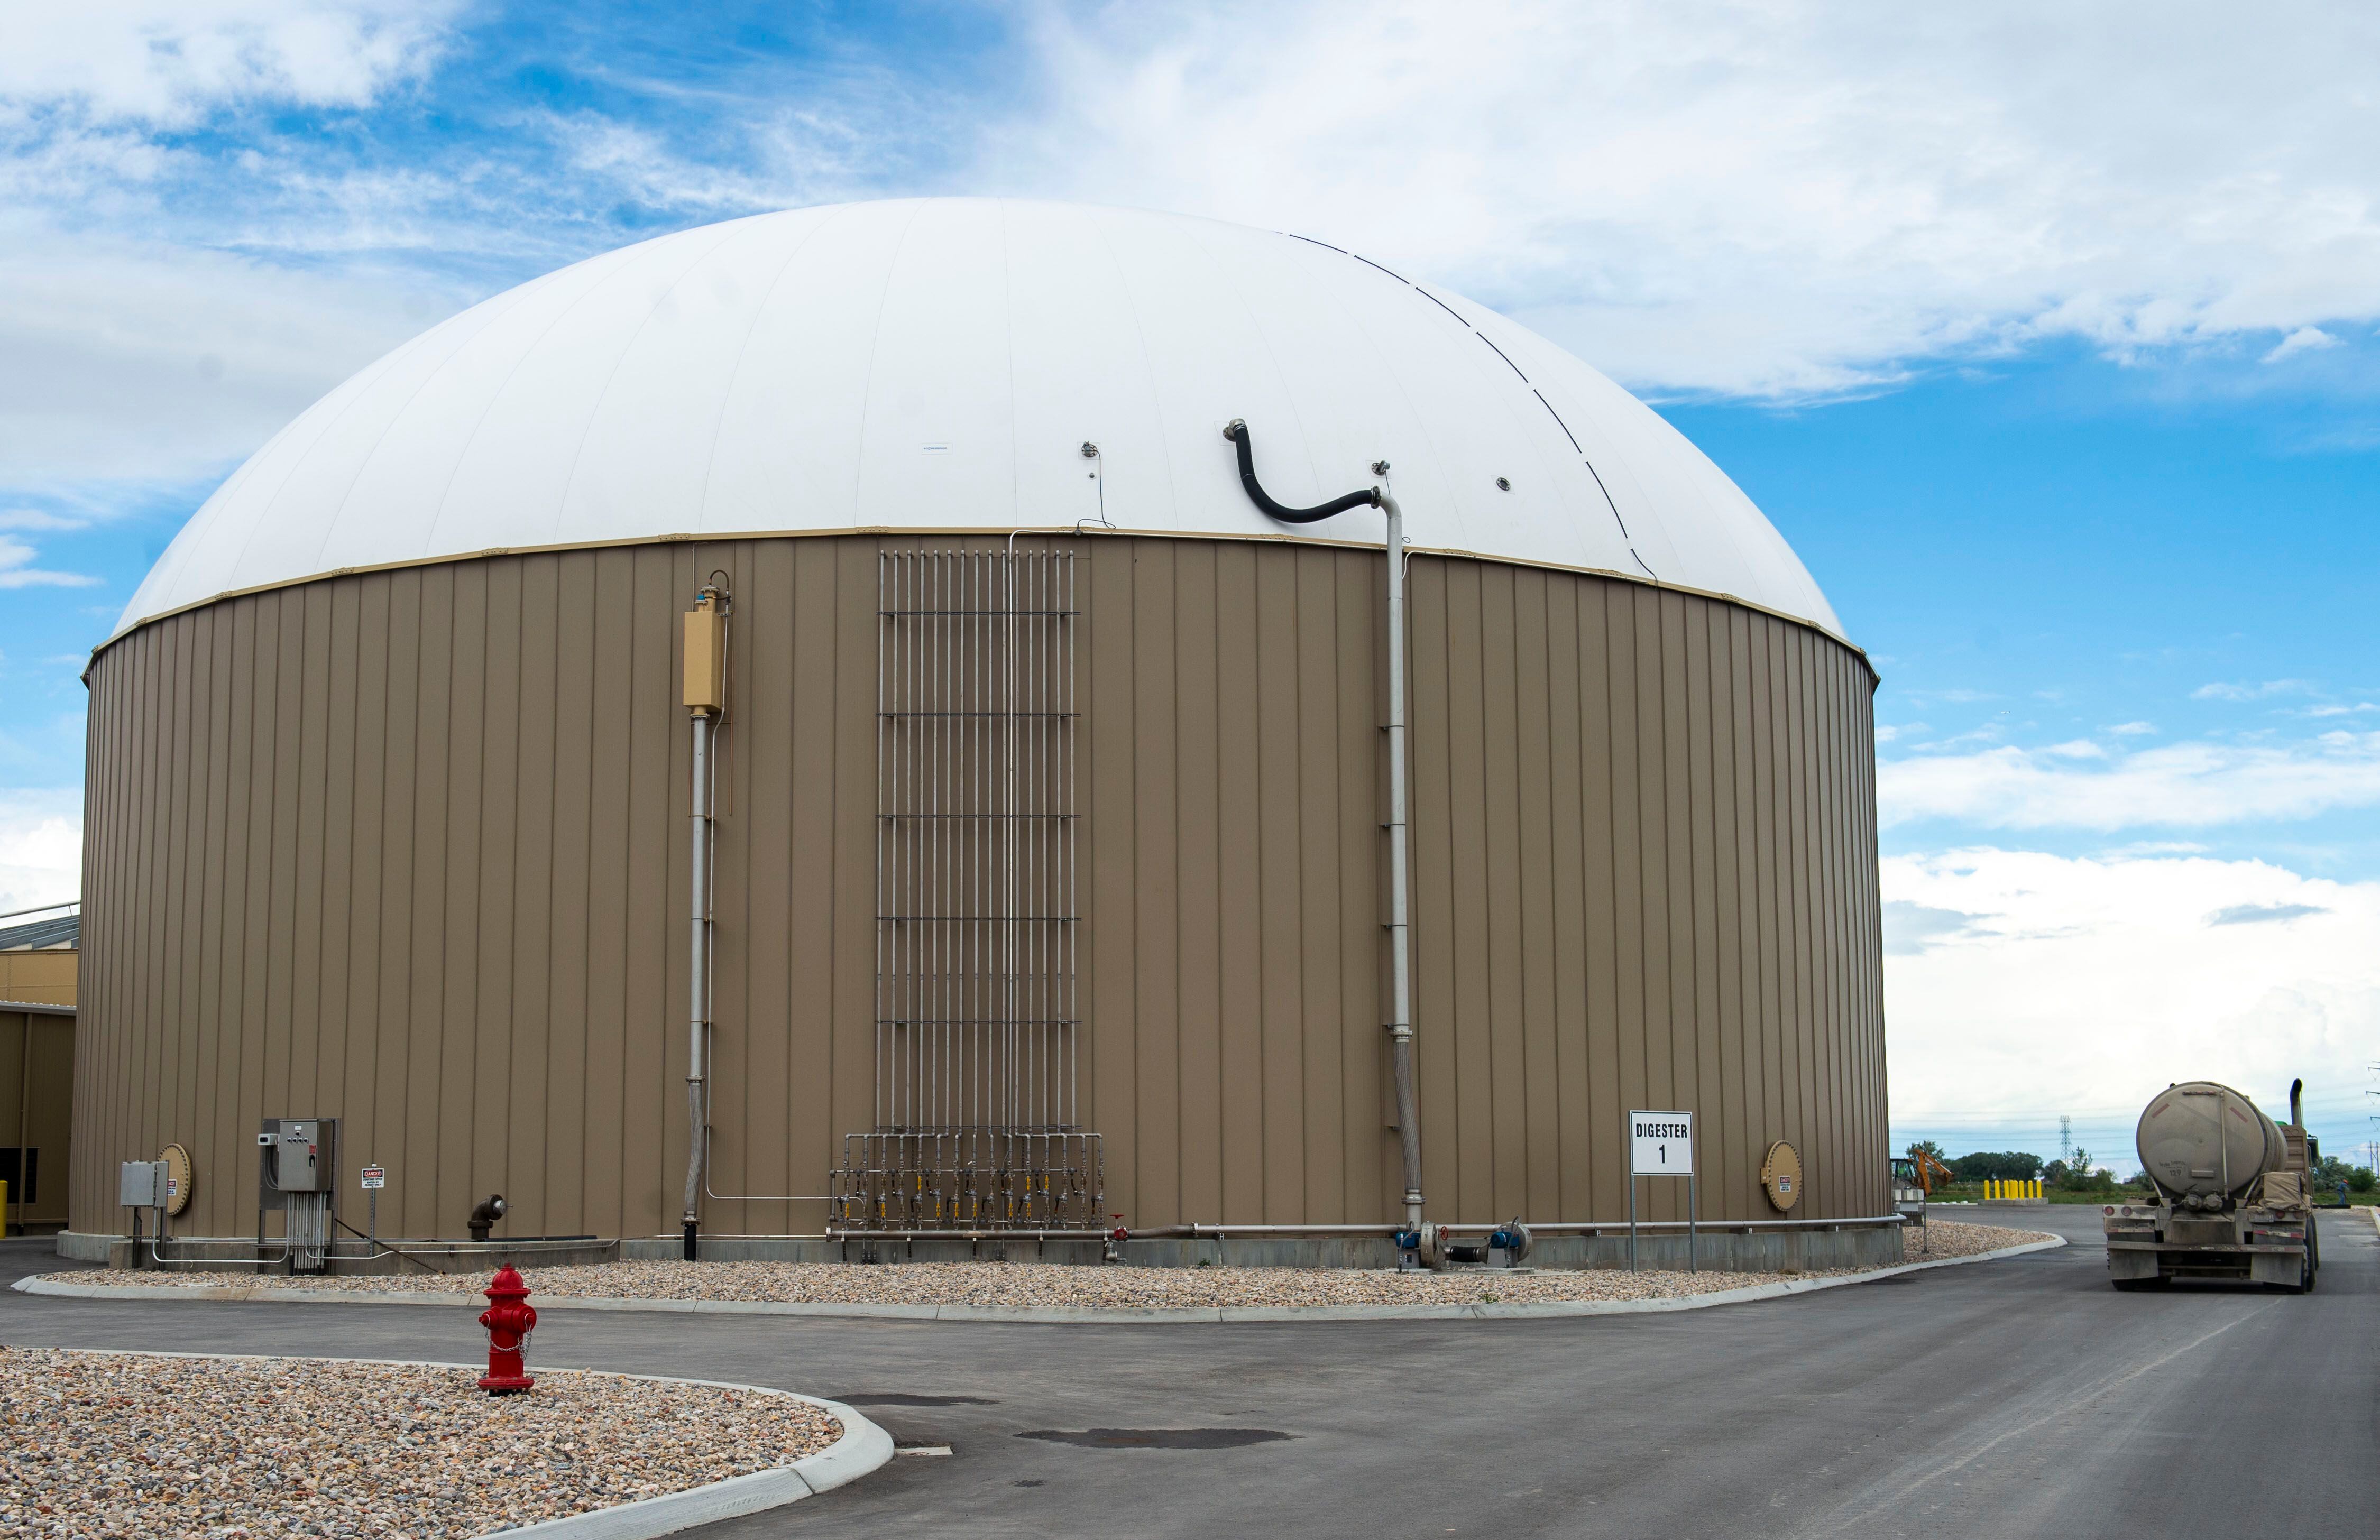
pixel 2201 1140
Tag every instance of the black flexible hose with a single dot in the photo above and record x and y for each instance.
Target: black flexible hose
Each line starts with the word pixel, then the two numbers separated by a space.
pixel 1238 433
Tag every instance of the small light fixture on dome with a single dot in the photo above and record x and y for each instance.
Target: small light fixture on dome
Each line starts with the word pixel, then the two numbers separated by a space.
pixel 1502 485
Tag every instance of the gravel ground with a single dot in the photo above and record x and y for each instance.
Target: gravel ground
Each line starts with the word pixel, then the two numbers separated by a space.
pixel 1025 1284
pixel 102 1445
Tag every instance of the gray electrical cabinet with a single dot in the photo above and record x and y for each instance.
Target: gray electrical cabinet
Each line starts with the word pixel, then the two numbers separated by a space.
pixel 296 1155
pixel 141 1184
pixel 298 1172
pixel 301 1161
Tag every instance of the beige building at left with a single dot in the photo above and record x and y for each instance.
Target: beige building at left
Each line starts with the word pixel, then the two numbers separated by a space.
pixel 41 955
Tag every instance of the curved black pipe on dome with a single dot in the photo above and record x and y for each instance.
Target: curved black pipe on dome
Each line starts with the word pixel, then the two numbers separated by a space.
pixel 1238 433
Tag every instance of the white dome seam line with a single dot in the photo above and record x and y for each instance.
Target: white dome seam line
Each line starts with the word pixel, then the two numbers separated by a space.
pixel 1140 335
pixel 1387 371
pixel 743 351
pixel 1008 340
pixel 875 346
pixel 611 376
pixel 379 366
pixel 431 525
pixel 1272 355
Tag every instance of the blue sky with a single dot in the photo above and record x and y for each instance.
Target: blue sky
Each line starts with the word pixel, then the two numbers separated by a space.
pixel 2049 342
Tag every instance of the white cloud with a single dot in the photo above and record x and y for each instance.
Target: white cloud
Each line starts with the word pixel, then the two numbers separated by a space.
pixel 132 362
pixel 18 571
pixel 2045 984
pixel 2305 339
pixel 2220 690
pixel 166 61
pixel 1755 198
pixel 41 847
pixel 2133 729
pixel 34 518
pixel 2191 784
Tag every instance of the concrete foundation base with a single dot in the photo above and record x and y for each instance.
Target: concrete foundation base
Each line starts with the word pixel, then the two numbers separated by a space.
pixel 1817 1248
pixel 1814 1249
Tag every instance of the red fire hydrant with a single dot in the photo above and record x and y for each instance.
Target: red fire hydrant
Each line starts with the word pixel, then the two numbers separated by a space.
pixel 509 1319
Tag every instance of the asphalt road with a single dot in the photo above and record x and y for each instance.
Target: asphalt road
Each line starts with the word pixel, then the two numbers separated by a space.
pixel 2012 1398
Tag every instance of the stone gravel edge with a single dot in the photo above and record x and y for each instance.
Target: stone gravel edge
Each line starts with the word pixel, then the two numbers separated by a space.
pixel 862 1448
pixel 1049 1314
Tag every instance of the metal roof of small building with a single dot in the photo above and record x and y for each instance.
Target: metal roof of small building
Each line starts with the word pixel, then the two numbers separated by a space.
pixel 939 364
pixel 65 930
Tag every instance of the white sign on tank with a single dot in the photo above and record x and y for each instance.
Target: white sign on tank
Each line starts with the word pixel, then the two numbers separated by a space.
pixel 1661 1144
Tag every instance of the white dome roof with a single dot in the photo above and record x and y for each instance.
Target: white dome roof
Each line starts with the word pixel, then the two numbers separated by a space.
pixel 938 364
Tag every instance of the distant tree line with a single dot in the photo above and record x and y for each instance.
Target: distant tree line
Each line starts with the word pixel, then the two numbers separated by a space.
pixel 2008 1165
pixel 2082 1174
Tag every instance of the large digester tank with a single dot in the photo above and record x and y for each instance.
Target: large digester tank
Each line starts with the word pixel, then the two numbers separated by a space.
pixel 2201 1140
pixel 1022 693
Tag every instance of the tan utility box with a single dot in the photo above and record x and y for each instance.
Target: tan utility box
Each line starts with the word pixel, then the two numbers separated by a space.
pixel 706 657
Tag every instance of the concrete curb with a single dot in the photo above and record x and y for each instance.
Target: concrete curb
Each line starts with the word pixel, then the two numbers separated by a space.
pixel 863 1448
pixel 1047 1314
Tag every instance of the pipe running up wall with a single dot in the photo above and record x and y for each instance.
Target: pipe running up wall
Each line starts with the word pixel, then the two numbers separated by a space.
pixel 1400 917
pixel 705 696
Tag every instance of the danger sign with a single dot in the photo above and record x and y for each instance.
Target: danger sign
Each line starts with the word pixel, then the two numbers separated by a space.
pixel 375 1178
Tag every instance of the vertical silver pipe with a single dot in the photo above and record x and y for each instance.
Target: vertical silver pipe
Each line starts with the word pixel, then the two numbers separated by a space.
pixel 1399 920
pixel 698 972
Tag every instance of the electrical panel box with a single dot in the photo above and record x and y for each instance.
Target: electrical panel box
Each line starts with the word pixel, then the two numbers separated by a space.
pixel 300 1164
pixel 706 657
pixel 141 1184
pixel 296 1155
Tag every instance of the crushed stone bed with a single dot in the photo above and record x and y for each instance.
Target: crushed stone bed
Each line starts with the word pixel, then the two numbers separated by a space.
pixel 104 1445
pixel 1015 1285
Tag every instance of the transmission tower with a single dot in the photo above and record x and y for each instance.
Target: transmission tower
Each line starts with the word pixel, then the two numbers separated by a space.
pixel 2065 1139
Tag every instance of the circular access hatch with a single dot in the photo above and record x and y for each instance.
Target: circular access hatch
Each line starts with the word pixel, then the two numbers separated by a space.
pixel 1781 1175
pixel 179 1172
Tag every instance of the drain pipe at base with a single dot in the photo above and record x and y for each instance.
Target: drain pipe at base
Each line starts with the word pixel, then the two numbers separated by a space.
pixel 1414 1237
pixel 706 701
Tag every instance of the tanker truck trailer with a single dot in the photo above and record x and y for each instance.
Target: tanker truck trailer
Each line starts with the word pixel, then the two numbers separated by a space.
pixel 2228 1194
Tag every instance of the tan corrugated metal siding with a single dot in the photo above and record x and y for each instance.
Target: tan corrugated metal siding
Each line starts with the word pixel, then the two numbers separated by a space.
pixel 409 848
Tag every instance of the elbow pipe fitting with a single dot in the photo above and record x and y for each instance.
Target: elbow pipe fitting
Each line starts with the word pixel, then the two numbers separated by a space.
pixel 1238 433
pixel 483 1217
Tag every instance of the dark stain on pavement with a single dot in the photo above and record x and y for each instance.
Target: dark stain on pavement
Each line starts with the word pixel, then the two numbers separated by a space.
pixel 1159 1437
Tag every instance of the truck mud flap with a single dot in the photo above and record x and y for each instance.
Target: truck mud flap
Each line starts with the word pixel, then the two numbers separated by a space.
pixel 2126 1265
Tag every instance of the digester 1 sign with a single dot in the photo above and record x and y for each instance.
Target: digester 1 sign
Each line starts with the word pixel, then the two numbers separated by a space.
pixel 1662 1144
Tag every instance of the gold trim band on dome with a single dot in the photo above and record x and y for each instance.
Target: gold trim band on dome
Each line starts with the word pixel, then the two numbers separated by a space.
pixel 1450 553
